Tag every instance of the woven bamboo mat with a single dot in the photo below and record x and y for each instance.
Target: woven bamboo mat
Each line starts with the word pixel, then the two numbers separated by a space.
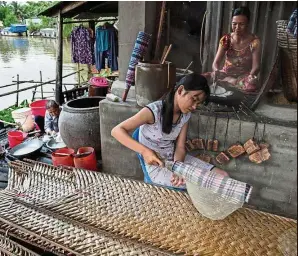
pixel 65 235
pixel 152 215
pixel 11 230
pixel 11 248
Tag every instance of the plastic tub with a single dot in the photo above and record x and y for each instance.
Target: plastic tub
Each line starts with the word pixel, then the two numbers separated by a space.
pixel 86 162
pixel 38 107
pixel 99 81
pixel 15 138
pixel 98 86
pixel 24 117
pixel 63 160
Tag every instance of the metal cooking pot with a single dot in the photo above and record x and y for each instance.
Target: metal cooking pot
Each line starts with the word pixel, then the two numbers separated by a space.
pixel 27 148
pixel 53 145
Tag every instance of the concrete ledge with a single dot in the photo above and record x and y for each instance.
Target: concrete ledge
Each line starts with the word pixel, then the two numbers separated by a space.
pixel 117 159
pixel 288 114
pixel 118 88
pixel 274 181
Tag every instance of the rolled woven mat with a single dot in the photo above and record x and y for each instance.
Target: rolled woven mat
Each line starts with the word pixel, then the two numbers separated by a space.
pixel 215 196
pixel 138 53
pixel 9 247
pixel 148 214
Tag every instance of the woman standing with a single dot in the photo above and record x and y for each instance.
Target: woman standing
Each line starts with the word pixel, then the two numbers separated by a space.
pixel 162 131
pixel 240 51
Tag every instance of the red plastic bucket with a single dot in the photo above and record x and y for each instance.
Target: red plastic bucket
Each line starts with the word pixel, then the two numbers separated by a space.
pixel 86 162
pixel 63 160
pixel 38 108
pixel 15 138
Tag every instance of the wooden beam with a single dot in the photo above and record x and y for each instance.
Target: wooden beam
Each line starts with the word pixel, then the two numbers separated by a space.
pixel 104 3
pixel 93 15
pixel 71 6
pixel 89 20
pixel 59 60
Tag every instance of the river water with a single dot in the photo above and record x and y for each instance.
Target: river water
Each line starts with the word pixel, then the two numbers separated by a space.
pixel 27 56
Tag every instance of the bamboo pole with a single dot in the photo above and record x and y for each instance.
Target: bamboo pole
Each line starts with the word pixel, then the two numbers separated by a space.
pixel 46 92
pixel 79 74
pixel 161 20
pixel 58 91
pixel 32 87
pixel 166 54
pixel 33 94
pixel 4 122
pixel 18 88
pixel 36 82
pixel 92 27
pixel 41 86
pixel 15 82
pixel 168 25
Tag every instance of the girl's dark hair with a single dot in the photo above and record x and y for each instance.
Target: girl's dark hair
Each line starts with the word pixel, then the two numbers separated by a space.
pixel 51 104
pixel 243 10
pixel 192 82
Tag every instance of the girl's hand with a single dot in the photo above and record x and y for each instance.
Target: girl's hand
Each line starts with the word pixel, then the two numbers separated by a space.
pixel 215 74
pixel 177 181
pixel 252 78
pixel 151 158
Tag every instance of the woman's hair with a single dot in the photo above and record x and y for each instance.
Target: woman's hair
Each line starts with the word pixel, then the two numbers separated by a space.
pixel 192 82
pixel 51 104
pixel 243 10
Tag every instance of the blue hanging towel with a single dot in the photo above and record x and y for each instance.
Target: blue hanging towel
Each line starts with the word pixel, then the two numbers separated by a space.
pixel 102 39
pixel 106 46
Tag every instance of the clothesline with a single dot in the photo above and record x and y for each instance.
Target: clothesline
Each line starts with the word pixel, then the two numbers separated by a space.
pixel 90 20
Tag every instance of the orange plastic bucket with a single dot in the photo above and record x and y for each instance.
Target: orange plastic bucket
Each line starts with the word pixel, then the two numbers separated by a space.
pixel 63 160
pixel 15 138
pixel 86 162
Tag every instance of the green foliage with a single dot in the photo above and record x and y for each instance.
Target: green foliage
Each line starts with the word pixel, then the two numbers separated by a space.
pixel 15 12
pixel 67 28
pixel 47 22
pixel 34 27
pixel 9 19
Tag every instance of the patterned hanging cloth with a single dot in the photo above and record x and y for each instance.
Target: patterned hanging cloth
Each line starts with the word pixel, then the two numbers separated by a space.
pixel 138 53
pixel 292 25
pixel 82 48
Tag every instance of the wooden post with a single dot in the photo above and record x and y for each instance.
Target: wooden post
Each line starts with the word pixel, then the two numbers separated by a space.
pixel 18 87
pixel 92 27
pixel 41 86
pixel 168 25
pixel 79 75
pixel 160 27
pixel 59 63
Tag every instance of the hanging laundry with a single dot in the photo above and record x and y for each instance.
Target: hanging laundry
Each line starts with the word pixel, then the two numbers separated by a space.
pixel 106 47
pixel 82 46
